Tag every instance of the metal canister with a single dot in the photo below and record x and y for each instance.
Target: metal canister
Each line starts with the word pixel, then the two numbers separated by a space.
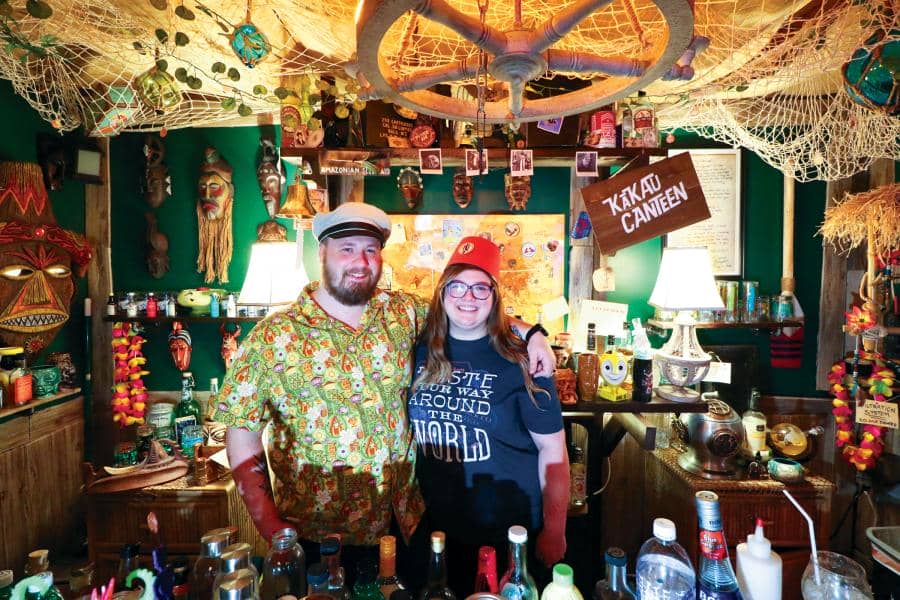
pixel 750 295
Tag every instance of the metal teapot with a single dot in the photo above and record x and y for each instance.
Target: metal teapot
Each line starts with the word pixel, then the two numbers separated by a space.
pixel 713 440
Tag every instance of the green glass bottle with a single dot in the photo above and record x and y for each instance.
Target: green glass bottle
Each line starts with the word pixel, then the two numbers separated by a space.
pixel 187 411
pixel 366 586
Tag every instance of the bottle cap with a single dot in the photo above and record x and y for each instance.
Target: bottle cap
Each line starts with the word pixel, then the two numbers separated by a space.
pixel 330 546
pixel 234 558
pixel 562 574
pixel 230 532
pixel 664 529
pixel 616 556
pixel 212 544
pixel 239 585
pixel 517 534
pixel 317 575
pixel 757 542
pixel 437 541
pixel 387 545
pixel 186 374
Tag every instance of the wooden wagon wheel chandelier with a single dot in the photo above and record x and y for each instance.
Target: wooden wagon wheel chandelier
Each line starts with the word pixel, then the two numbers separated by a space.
pixel 515 57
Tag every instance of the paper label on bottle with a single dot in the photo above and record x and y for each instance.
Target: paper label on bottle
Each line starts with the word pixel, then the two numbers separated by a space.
pixel 719 372
pixel 880 414
pixel 712 544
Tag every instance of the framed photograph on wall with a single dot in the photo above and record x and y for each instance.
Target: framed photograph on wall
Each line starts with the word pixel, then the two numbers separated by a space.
pixel 719 172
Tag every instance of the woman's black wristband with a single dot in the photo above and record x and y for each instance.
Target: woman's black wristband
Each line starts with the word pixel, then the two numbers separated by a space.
pixel 536 328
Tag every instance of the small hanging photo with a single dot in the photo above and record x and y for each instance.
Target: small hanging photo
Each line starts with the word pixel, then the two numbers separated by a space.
pixel 520 163
pixel 586 164
pixel 430 162
pixel 475 166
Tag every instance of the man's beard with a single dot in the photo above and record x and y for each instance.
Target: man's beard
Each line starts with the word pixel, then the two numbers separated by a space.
pixel 349 294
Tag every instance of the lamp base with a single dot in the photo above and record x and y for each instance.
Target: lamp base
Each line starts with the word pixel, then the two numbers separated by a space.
pixel 678 393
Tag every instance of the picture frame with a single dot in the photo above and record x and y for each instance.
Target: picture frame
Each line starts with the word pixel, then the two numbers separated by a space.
pixel 521 163
pixel 719 172
pixel 430 161
pixel 87 163
pixel 586 163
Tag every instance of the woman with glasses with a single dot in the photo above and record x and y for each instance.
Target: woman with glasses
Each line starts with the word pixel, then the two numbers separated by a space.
pixel 491 446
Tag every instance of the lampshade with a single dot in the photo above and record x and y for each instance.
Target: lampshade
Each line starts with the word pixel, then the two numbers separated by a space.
pixel 296 205
pixel 274 276
pixel 685 281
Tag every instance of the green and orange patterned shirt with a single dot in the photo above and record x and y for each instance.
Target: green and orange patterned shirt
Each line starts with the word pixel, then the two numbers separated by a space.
pixel 340 446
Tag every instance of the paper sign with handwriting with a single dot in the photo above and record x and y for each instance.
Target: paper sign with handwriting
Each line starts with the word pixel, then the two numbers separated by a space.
pixel 640 204
pixel 880 414
pixel 607 318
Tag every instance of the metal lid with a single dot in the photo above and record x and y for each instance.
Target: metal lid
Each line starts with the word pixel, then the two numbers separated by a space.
pixel 230 531
pixel 240 585
pixel 720 411
pixel 212 544
pixel 234 557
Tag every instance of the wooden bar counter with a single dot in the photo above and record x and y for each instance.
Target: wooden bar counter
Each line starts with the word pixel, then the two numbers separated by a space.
pixel 41 450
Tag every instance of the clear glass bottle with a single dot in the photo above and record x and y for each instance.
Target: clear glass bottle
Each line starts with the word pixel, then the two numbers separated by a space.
pixel 577 474
pixel 187 406
pixel 664 570
pixel 625 127
pixel 754 423
pixel 330 550
pixel 388 580
pixel 615 585
pixel 284 570
pixel 486 577
pixel 204 573
pixel 366 585
pixel 436 586
pixel 111 306
pixel 129 560
pixel 717 580
pixel 517 584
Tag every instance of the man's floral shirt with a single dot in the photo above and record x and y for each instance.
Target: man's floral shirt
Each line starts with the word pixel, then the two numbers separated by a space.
pixel 340 445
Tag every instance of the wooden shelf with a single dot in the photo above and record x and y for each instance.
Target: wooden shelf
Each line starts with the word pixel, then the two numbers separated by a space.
pixel 658 405
pixel 736 325
pixel 36 404
pixel 181 319
pixel 497 157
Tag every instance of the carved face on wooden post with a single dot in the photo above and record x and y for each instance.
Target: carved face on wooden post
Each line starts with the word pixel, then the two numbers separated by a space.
pixel 214 209
pixel 157 183
pixel 517 191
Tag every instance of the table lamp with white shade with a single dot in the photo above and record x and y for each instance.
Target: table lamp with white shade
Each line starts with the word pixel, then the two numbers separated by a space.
pixel 685 283
pixel 275 276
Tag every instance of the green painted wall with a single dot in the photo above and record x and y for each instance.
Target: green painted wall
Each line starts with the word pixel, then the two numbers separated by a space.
pixel 18 143
pixel 178 220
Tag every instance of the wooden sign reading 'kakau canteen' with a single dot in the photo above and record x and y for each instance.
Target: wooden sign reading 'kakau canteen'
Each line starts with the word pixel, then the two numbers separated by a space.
pixel 640 204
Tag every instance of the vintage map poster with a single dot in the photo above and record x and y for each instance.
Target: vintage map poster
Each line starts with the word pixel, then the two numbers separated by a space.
pixel 532 260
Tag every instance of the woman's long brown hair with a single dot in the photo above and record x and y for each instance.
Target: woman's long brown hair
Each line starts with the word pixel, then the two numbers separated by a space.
pixel 501 336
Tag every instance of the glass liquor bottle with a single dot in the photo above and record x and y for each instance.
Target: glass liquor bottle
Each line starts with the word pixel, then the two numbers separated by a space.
pixel 436 586
pixel 207 565
pixel 388 581
pixel 330 551
pixel 366 585
pixel 754 423
pixel 187 406
pixel 716 578
pixel 517 584
pixel 486 577
pixel 615 586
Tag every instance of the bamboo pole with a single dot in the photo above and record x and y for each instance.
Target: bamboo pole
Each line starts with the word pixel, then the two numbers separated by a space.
pixel 787 251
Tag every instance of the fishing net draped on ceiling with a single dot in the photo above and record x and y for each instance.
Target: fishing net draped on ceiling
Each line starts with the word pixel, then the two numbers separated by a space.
pixel 770 79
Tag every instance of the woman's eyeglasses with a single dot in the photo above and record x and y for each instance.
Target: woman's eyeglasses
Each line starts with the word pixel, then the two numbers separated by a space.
pixel 458 289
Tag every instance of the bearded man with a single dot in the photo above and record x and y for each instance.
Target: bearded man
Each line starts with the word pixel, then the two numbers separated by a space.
pixel 331 374
pixel 215 205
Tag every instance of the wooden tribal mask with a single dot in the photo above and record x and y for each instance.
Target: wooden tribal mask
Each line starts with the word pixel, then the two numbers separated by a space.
pixel 215 205
pixel 38 261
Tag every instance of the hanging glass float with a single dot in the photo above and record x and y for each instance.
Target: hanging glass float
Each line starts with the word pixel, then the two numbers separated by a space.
pixel 157 89
pixel 250 44
pixel 872 75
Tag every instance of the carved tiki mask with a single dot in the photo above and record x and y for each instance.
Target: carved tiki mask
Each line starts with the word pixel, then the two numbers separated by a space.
pixel 462 188
pixel 157 183
pixel 409 182
pixel 269 176
pixel 214 209
pixel 37 260
pixel 517 191
pixel 180 346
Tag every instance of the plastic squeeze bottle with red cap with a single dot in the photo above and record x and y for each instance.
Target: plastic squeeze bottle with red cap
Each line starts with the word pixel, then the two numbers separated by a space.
pixel 758 568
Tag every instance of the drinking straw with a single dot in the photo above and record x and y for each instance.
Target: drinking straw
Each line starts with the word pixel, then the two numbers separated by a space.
pixel 812 536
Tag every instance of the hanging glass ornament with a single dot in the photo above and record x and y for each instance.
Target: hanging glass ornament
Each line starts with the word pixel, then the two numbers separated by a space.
pixel 872 75
pixel 157 89
pixel 249 43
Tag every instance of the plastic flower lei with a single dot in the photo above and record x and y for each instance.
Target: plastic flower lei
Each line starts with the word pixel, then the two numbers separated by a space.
pixel 129 399
pixel 862 453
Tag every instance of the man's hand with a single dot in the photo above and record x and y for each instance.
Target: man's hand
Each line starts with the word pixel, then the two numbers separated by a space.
pixel 541 359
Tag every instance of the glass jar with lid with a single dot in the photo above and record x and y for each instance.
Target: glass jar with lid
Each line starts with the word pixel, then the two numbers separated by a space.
pixel 15 378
